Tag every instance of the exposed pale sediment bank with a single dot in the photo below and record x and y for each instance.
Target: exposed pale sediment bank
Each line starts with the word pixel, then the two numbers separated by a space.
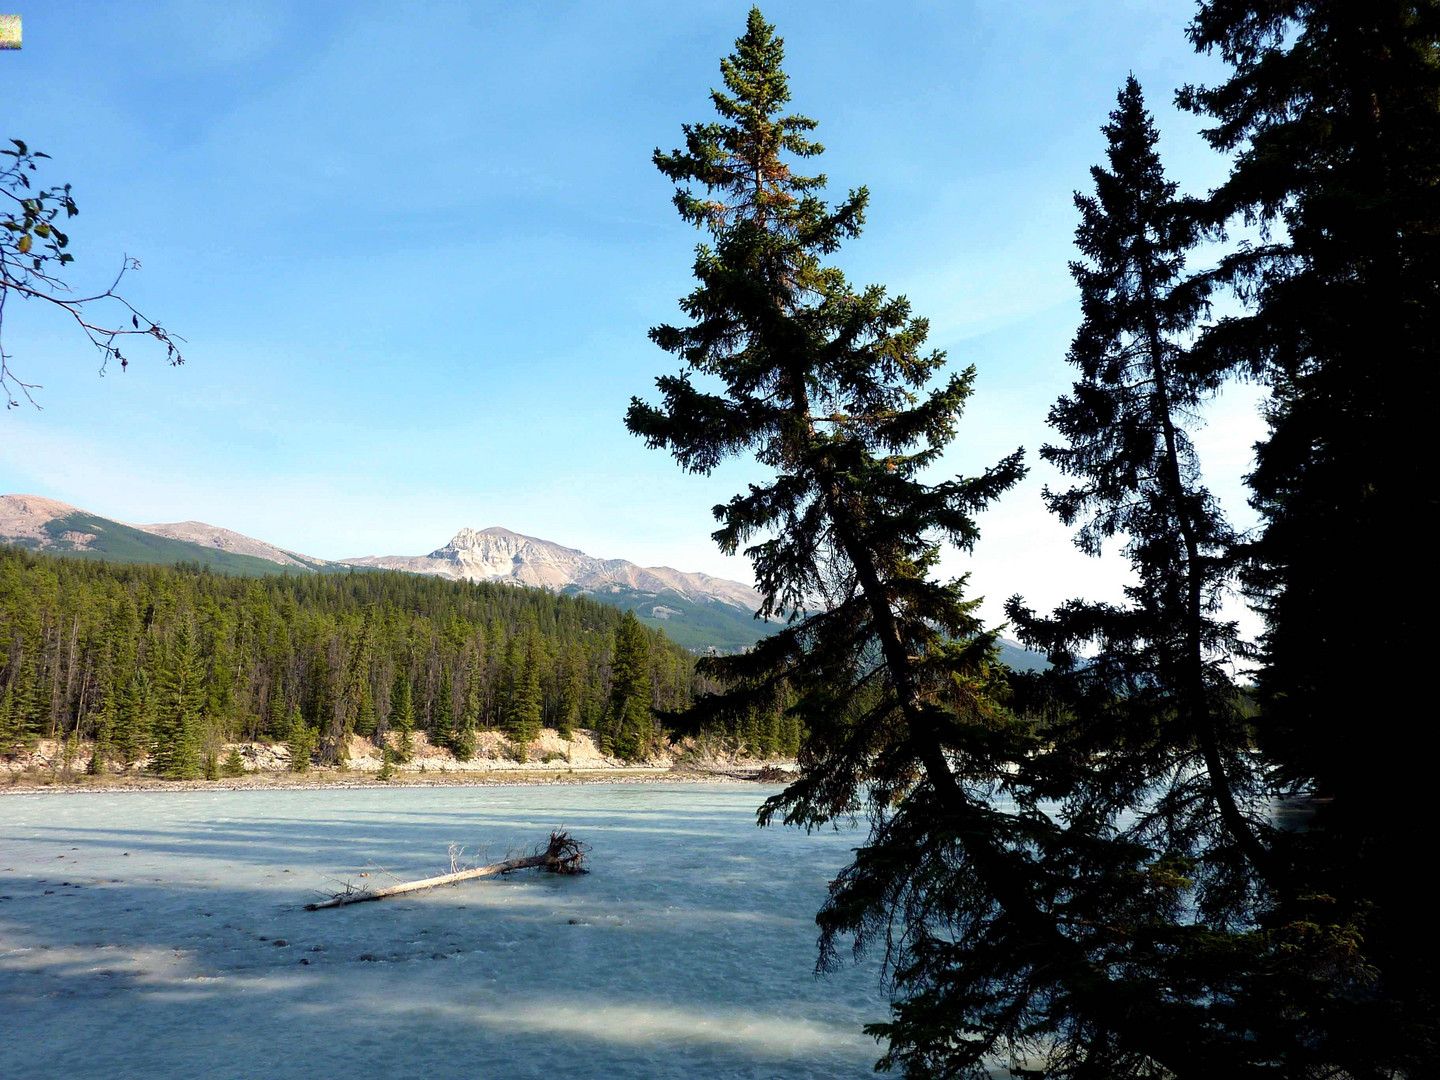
pixel 549 759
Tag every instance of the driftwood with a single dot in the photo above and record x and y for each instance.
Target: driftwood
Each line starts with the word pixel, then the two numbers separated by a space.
pixel 562 855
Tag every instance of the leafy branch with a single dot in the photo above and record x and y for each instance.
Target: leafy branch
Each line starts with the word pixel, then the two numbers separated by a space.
pixel 32 256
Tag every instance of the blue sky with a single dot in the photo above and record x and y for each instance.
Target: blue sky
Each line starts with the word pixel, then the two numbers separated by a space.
pixel 415 249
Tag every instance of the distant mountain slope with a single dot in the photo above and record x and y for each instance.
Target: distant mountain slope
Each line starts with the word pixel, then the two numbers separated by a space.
pixel 1016 656
pixel 48 525
pixel 211 536
pixel 695 610
pixel 698 625
pixel 23 517
pixel 495 553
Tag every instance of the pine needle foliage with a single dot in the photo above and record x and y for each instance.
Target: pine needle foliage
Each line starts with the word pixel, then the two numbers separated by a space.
pixel 1153 721
pixel 234 765
pixel 983 897
pixel 84 647
pixel 176 748
pixel 402 719
pixel 1331 113
pixel 526 708
pixel 628 728
pixel 301 743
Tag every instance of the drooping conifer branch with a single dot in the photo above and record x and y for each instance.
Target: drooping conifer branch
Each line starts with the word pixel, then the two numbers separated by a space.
pixel 1164 653
pixel 992 918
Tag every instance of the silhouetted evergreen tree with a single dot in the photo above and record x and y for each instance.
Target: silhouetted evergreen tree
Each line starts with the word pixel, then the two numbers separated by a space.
pixel 1150 751
pixel 1157 695
pixel 982 893
pixel 1332 114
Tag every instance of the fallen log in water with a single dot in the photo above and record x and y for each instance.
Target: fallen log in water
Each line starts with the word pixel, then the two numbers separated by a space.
pixel 563 855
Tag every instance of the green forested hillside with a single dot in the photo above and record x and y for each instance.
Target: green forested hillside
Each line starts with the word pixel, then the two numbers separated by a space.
pixel 117 542
pixel 175 661
pixel 695 625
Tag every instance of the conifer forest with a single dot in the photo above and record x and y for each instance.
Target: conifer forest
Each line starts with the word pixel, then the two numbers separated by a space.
pixel 173 663
pixel 1180 850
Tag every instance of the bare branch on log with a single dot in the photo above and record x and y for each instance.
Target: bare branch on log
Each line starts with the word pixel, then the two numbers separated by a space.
pixel 562 855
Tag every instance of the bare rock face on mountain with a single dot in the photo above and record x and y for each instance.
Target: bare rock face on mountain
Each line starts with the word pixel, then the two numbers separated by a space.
pixel 212 536
pixel 24 517
pixel 499 554
pixel 696 610
pixel 44 524
pixel 472 555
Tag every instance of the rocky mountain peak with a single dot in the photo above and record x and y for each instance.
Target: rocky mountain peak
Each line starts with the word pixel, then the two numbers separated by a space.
pixel 23 517
pixel 498 553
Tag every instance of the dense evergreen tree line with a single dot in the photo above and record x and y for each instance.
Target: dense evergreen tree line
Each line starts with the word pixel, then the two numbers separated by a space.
pixel 171 663
pixel 1083 869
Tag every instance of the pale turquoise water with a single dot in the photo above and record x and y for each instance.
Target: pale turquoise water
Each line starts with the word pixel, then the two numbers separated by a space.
pixel 150 949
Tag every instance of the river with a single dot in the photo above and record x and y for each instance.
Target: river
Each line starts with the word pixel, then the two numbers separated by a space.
pixel 149 934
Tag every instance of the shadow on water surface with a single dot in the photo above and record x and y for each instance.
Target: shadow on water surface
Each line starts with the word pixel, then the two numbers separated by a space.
pixel 688 952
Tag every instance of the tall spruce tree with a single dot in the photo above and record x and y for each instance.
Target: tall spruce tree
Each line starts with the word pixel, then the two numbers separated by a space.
pixel 1332 115
pixel 351 705
pixel 527 702
pixel 180 695
pixel 982 896
pixel 31 701
pixel 1152 755
pixel 572 692
pixel 133 719
pixel 1155 705
pixel 7 721
pixel 402 718
pixel 301 742
pixel 442 730
pixel 629 726
pixel 465 735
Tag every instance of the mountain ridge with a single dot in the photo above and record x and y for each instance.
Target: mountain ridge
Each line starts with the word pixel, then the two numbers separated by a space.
pixel 500 553
pixel 695 609
pixel 471 554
